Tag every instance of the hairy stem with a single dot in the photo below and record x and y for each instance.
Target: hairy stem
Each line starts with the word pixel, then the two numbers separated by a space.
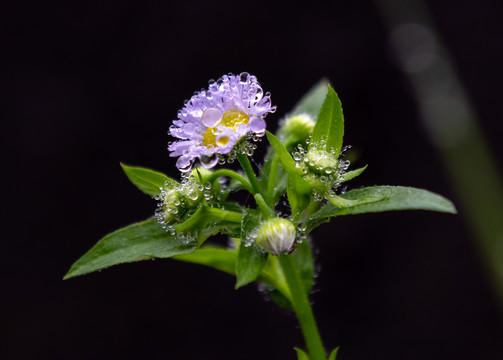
pixel 205 212
pixel 247 167
pixel 233 175
pixel 272 178
pixel 302 308
pixel 264 208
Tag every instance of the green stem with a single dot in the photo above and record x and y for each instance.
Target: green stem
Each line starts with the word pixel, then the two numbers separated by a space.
pixel 208 212
pixel 302 308
pixel 264 208
pixel 233 175
pixel 272 178
pixel 246 165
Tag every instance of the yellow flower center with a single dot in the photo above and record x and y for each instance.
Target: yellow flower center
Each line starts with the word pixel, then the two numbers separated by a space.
pixel 231 119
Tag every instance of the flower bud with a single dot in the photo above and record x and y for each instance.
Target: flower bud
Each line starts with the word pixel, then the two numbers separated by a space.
pixel 170 205
pixel 178 200
pixel 276 236
pixel 321 162
pixel 299 126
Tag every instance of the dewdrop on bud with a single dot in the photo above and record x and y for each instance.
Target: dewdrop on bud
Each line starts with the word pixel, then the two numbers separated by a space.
pixel 299 126
pixel 276 236
pixel 321 161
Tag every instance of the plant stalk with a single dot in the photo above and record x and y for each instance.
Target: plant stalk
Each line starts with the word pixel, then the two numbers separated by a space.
pixel 247 167
pixel 302 308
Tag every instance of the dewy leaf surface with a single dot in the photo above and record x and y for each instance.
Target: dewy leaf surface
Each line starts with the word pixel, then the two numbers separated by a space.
pixel 349 175
pixel 312 101
pixel 305 262
pixel 250 260
pixel 395 198
pixel 140 241
pixel 330 123
pixel 148 181
pixel 282 152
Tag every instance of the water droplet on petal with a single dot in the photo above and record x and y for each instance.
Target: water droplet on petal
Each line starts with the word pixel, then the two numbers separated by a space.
pixel 209 161
pixel 184 163
pixel 211 117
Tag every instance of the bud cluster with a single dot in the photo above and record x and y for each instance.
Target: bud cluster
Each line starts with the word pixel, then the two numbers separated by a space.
pixel 178 200
pixel 322 170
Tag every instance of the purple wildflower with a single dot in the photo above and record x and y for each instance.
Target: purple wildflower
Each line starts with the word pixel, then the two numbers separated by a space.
pixel 213 121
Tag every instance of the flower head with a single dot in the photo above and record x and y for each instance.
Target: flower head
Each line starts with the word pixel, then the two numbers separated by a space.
pixel 213 121
pixel 276 236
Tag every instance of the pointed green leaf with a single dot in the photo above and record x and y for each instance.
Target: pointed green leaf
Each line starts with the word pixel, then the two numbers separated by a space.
pixel 330 123
pixel 282 152
pixel 250 260
pixel 341 202
pixel 221 259
pixel 140 241
pixel 312 101
pixel 303 256
pixel 224 259
pixel 301 355
pixel 280 184
pixel 393 198
pixel 148 181
pixel 352 174
pixel 333 354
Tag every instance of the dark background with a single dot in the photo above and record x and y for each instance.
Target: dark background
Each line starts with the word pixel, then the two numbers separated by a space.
pixel 90 84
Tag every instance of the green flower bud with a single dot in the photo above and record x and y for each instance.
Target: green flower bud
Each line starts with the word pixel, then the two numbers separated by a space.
pixel 176 201
pixel 170 205
pixel 299 126
pixel 276 236
pixel 321 162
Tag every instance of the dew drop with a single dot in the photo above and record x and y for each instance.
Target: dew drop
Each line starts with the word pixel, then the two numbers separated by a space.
pixel 209 161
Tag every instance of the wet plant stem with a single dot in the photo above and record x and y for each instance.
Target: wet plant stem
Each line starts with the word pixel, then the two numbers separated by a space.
pixel 247 167
pixel 272 178
pixel 302 308
pixel 233 175
pixel 203 213
pixel 267 212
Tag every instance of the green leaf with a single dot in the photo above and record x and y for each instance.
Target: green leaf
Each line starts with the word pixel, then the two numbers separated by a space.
pixel 301 355
pixel 284 155
pixel 394 198
pixel 352 174
pixel 281 184
pixel 225 259
pixel 148 181
pixel 330 123
pixel 298 192
pixel 304 258
pixel 140 241
pixel 341 202
pixel 312 101
pixel 221 259
pixel 333 354
pixel 250 260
